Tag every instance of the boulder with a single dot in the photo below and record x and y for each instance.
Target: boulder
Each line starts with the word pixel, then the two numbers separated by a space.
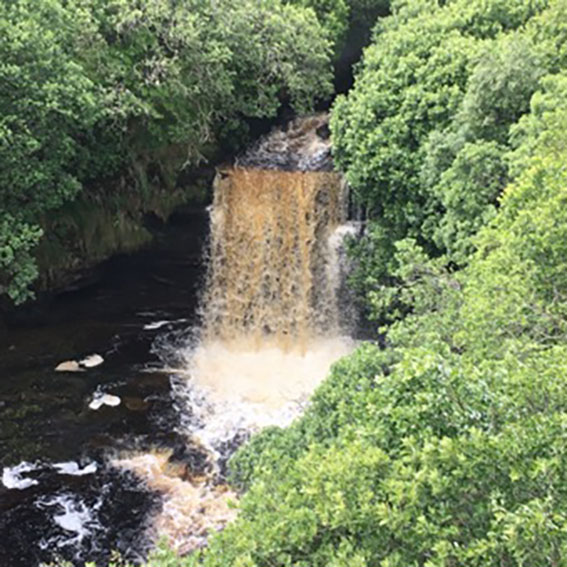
pixel 91 361
pixel 69 366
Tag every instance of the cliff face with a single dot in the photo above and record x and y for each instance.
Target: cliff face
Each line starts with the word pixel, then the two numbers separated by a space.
pixel 116 216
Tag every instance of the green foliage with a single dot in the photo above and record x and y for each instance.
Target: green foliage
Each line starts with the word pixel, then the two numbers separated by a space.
pixel 499 89
pixel 93 90
pixel 17 266
pixel 517 286
pixel 448 447
pixel 342 18
pixel 333 15
pixel 424 136
pixel 537 131
pixel 468 190
pixel 416 285
pixel 46 101
pixel 186 67
pixel 412 81
pixel 465 167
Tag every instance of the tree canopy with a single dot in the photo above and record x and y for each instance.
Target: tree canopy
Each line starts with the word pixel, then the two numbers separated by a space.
pixel 90 88
pixel 425 135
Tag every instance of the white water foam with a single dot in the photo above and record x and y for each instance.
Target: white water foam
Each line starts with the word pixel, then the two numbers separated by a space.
pixel 12 477
pixel 72 468
pixel 73 516
pixel 155 325
pixel 101 398
pixel 238 388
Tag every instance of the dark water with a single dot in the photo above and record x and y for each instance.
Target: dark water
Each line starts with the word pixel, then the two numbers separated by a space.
pixel 44 415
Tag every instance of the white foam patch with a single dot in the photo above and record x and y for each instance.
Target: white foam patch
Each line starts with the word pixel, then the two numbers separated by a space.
pixel 91 361
pixel 12 477
pixel 101 399
pixel 155 325
pixel 72 468
pixel 237 387
pixel 162 323
pixel 73 516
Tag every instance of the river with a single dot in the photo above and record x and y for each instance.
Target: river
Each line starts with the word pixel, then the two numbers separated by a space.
pixel 44 415
pixel 188 347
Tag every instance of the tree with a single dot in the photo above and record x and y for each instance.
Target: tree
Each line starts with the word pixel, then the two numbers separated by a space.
pixel 96 90
pixel 437 80
pixel 47 102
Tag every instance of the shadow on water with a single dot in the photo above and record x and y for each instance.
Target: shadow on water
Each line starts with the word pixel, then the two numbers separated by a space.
pixel 65 499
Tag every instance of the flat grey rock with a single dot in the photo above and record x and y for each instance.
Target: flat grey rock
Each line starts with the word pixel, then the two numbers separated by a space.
pixel 69 366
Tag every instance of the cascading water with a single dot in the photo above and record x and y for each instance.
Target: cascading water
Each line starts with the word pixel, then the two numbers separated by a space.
pixel 273 311
pixel 269 280
pixel 274 315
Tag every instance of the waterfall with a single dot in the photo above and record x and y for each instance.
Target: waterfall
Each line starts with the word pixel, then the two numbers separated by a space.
pixel 273 311
pixel 269 280
pixel 273 318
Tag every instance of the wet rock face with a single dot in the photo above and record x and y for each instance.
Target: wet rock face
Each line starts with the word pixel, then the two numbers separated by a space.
pixel 303 145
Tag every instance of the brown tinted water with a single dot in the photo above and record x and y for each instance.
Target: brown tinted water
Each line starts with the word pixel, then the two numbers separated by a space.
pixel 191 383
